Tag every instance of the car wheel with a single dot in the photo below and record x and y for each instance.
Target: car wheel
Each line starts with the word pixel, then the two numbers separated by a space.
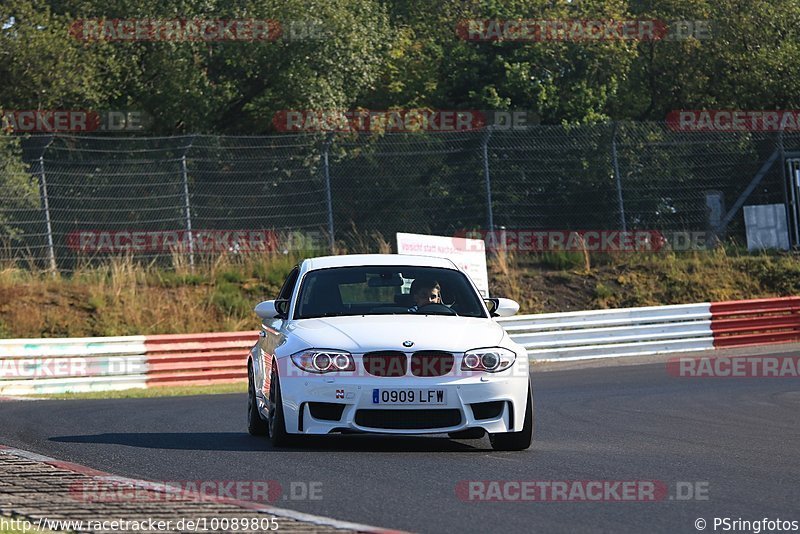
pixel 255 425
pixel 275 420
pixel 517 441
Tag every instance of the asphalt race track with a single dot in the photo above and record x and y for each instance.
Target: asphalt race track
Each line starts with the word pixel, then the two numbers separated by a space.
pixel 741 437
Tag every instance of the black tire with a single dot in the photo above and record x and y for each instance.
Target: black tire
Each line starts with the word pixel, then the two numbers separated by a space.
pixel 517 441
pixel 275 420
pixel 256 426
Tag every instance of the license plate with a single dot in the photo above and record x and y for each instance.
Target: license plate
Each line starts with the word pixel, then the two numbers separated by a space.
pixel 409 396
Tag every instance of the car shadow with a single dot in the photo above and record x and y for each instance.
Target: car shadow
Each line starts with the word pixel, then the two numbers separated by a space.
pixel 239 441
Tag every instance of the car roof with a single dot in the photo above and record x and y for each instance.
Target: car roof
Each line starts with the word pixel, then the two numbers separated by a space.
pixel 356 260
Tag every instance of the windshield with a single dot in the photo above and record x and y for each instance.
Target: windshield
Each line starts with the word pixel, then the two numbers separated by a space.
pixel 386 290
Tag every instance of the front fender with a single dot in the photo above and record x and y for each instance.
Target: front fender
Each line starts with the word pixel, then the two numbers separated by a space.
pixel 259 369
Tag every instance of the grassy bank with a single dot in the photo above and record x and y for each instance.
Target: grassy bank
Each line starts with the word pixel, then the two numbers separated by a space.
pixel 572 281
pixel 122 297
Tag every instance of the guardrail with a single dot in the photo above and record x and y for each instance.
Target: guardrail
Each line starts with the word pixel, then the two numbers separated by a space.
pixel 188 359
pixel 40 366
pixel 755 322
pixel 605 333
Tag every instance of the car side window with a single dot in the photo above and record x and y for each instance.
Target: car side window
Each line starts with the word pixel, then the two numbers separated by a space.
pixel 288 285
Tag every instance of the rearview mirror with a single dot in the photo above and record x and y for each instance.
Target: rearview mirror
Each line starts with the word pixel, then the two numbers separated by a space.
pixel 500 307
pixel 386 280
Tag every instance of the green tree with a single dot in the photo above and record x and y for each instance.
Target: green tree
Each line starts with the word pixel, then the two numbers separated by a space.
pixel 43 67
pixel 230 86
pixel 750 59
pixel 19 191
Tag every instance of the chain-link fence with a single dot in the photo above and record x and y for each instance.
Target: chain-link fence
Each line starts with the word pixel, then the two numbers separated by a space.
pixel 191 195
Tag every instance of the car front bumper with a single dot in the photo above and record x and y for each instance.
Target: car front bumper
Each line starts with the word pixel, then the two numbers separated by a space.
pixel 322 404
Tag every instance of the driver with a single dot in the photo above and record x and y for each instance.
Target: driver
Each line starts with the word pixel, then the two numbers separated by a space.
pixel 424 292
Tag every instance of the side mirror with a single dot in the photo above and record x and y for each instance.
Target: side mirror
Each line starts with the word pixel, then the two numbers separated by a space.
pixel 266 310
pixel 273 309
pixel 499 307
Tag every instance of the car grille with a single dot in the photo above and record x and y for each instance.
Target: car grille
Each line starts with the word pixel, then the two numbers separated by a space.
pixel 431 363
pixel 408 419
pixel 386 363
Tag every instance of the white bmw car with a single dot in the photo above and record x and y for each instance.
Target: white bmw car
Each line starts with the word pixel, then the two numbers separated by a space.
pixel 348 347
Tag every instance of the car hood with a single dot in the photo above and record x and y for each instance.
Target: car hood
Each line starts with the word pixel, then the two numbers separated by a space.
pixel 359 334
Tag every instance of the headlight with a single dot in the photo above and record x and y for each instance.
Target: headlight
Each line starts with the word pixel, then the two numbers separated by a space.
pixel 324 361
pixel 493 359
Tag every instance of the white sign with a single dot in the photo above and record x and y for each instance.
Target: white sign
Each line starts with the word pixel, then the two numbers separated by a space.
pixel 468 254
pixel 766 227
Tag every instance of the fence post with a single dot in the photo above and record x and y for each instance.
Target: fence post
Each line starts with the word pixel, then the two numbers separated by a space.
pixel 617 178
pixel 788 185
pixel 51 252
pixel 487 178
pixel 329 197
pixel 186 203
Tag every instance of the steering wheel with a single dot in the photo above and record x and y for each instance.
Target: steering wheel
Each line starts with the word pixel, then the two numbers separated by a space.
pixel 437 307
